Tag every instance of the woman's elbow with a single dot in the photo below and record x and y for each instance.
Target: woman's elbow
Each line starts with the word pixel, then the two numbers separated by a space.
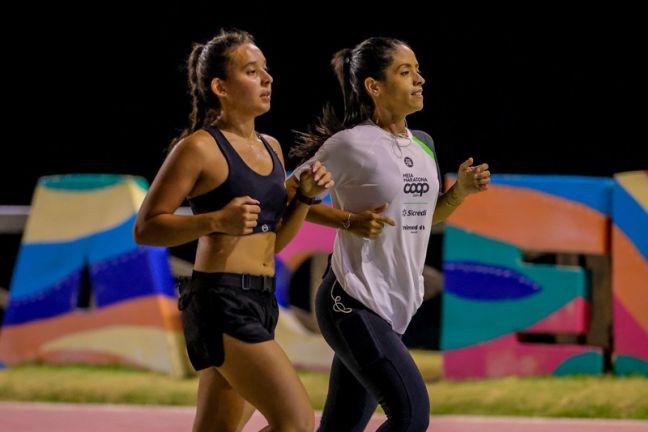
pixel 140 235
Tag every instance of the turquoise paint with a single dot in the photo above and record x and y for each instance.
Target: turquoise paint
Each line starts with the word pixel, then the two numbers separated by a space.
pixel 467 322
pixel 628 365
pixel 589 363
pixel 88 182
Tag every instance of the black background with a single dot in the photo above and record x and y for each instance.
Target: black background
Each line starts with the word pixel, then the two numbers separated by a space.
pixel 102 88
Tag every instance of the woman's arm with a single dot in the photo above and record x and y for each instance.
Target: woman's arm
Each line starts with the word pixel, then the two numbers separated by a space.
pixel 156 222
pixel 312 182
pixel 367 224
pixel 470 179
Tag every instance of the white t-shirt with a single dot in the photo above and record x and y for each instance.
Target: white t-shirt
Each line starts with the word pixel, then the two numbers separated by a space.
pixel 371 167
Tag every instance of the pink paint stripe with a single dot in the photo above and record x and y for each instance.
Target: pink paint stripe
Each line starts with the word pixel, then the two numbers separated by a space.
pixel 571 318
pixel 310 238
pixel 629 337
pixel 506 356
pixel 32 417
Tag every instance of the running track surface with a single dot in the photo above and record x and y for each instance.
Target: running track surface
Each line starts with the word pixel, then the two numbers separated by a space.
pixel 36 417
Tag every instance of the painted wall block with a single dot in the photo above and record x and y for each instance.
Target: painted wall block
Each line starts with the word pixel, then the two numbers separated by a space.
pixel 82 290
pixel 630 272
pixel 492 295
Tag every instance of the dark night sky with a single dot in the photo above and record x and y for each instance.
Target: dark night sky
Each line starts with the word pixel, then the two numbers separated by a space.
pixel 544 91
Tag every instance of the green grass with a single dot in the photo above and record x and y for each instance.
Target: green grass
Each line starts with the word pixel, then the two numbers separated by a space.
pixel 577 396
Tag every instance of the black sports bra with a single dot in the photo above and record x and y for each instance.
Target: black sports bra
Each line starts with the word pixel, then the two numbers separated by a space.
pixel 269 189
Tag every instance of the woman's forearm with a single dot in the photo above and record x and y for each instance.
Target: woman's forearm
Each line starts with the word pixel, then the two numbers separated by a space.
pixel 447 204
pixel 290 224
pixel 172 230
pixel 322 214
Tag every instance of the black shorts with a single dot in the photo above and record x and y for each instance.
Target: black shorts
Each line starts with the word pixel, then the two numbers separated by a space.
pixel 213 304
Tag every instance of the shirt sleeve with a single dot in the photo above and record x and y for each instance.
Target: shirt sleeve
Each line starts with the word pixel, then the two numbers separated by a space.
pixel 331 155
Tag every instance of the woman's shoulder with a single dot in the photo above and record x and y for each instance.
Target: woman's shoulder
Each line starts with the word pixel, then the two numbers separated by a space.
pixel 199 142
pixel 352 134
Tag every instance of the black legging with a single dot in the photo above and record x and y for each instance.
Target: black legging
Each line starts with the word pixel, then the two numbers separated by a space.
pixel 371 366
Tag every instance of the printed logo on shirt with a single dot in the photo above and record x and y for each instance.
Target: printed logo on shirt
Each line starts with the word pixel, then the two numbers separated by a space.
pixel 414 228
pixel 265 228
pixel 408 161
pixel 416 186
pixel 416 189
pixel 410 212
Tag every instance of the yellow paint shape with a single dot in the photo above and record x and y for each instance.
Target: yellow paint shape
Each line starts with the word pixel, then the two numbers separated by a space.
pixel 150 347
pixel 62 215
pixel 636 184
pixel 303 347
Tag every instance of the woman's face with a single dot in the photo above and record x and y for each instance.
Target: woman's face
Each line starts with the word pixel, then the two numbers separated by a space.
pixel 248 86
pixel 401 92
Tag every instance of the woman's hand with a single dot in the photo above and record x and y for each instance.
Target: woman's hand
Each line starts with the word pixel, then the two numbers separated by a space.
pixel 238 217
pixel 370 223
pixel 315 180
pixel 472 179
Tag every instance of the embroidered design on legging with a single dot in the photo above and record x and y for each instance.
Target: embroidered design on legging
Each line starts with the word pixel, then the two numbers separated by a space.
pixel 338 306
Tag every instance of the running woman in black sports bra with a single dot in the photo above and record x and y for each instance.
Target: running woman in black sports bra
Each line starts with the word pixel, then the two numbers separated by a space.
pixel 234 180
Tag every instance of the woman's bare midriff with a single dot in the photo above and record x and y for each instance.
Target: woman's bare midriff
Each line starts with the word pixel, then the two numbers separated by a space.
pixel 252 254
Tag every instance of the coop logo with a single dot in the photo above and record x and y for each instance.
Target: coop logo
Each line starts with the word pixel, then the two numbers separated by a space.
pixel 408 161
pixel 416 189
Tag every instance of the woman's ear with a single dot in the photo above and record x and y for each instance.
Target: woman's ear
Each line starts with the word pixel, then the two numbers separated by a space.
pixel 218 87
pixel 372 86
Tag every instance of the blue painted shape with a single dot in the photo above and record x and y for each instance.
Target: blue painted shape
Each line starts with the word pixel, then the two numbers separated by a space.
pixel 57 300
pixel 112 242
pixel 477 281
pixel 41 266
pixel 468 321
pixel 55 261
pixel 141 273
pixel 589 363
pixel 282 283
pixel 631 218
pixel 594 192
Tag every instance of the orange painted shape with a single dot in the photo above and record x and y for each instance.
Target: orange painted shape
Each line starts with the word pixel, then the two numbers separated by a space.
pixel 630 277
pixel 21 342
pixel 534 220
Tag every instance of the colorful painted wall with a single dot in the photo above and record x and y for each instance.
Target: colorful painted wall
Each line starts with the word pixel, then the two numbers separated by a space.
pixel 630 272
pixel 79 235
pixel 82 290
pixel 495 301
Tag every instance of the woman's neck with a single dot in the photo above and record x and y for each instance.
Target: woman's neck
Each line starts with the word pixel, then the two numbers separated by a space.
pixel 236 125
pixel 392 123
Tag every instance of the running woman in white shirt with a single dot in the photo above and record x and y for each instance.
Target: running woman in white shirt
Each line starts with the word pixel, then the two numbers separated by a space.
pixel 384 174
